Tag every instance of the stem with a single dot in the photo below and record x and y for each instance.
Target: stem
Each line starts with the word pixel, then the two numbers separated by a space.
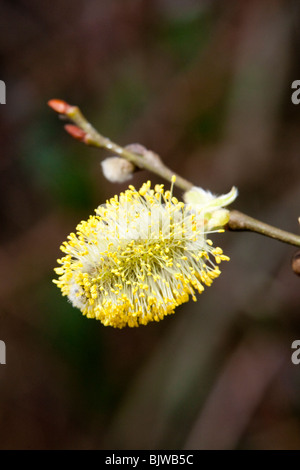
pixel 97 140
pixel 242 222
pixel 88 134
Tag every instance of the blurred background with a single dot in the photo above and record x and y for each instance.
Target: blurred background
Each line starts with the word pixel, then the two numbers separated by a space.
pixel 207 85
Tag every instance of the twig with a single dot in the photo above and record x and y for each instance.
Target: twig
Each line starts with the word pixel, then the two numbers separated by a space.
pixel 85 132
pixel 242 222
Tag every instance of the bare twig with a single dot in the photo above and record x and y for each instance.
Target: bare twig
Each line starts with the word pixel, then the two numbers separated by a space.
pixel 86 133
pixel 242 222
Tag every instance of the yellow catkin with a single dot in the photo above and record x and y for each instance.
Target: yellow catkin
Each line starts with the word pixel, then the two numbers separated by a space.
pixel 137 259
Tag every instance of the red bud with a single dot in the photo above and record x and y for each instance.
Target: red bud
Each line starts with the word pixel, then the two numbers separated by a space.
pixel 59 106
pixel 75 132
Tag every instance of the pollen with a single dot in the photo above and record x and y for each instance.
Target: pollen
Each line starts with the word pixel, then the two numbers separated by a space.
pixel 140 256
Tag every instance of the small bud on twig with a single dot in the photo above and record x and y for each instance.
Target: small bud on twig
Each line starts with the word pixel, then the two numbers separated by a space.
pixel 151 157
pixel 75 132
pixel 60 106
pixel 136 148
pixel 117 169
pixel 296 263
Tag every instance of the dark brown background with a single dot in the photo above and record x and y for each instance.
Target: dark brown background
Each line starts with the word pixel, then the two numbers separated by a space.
pixel 207 85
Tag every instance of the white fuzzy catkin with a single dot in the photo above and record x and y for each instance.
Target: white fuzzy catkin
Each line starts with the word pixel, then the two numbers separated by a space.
pixel 117 169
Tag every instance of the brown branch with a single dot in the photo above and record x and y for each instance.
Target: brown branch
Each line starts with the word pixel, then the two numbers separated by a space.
pixel 83 131
pixel 242 222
